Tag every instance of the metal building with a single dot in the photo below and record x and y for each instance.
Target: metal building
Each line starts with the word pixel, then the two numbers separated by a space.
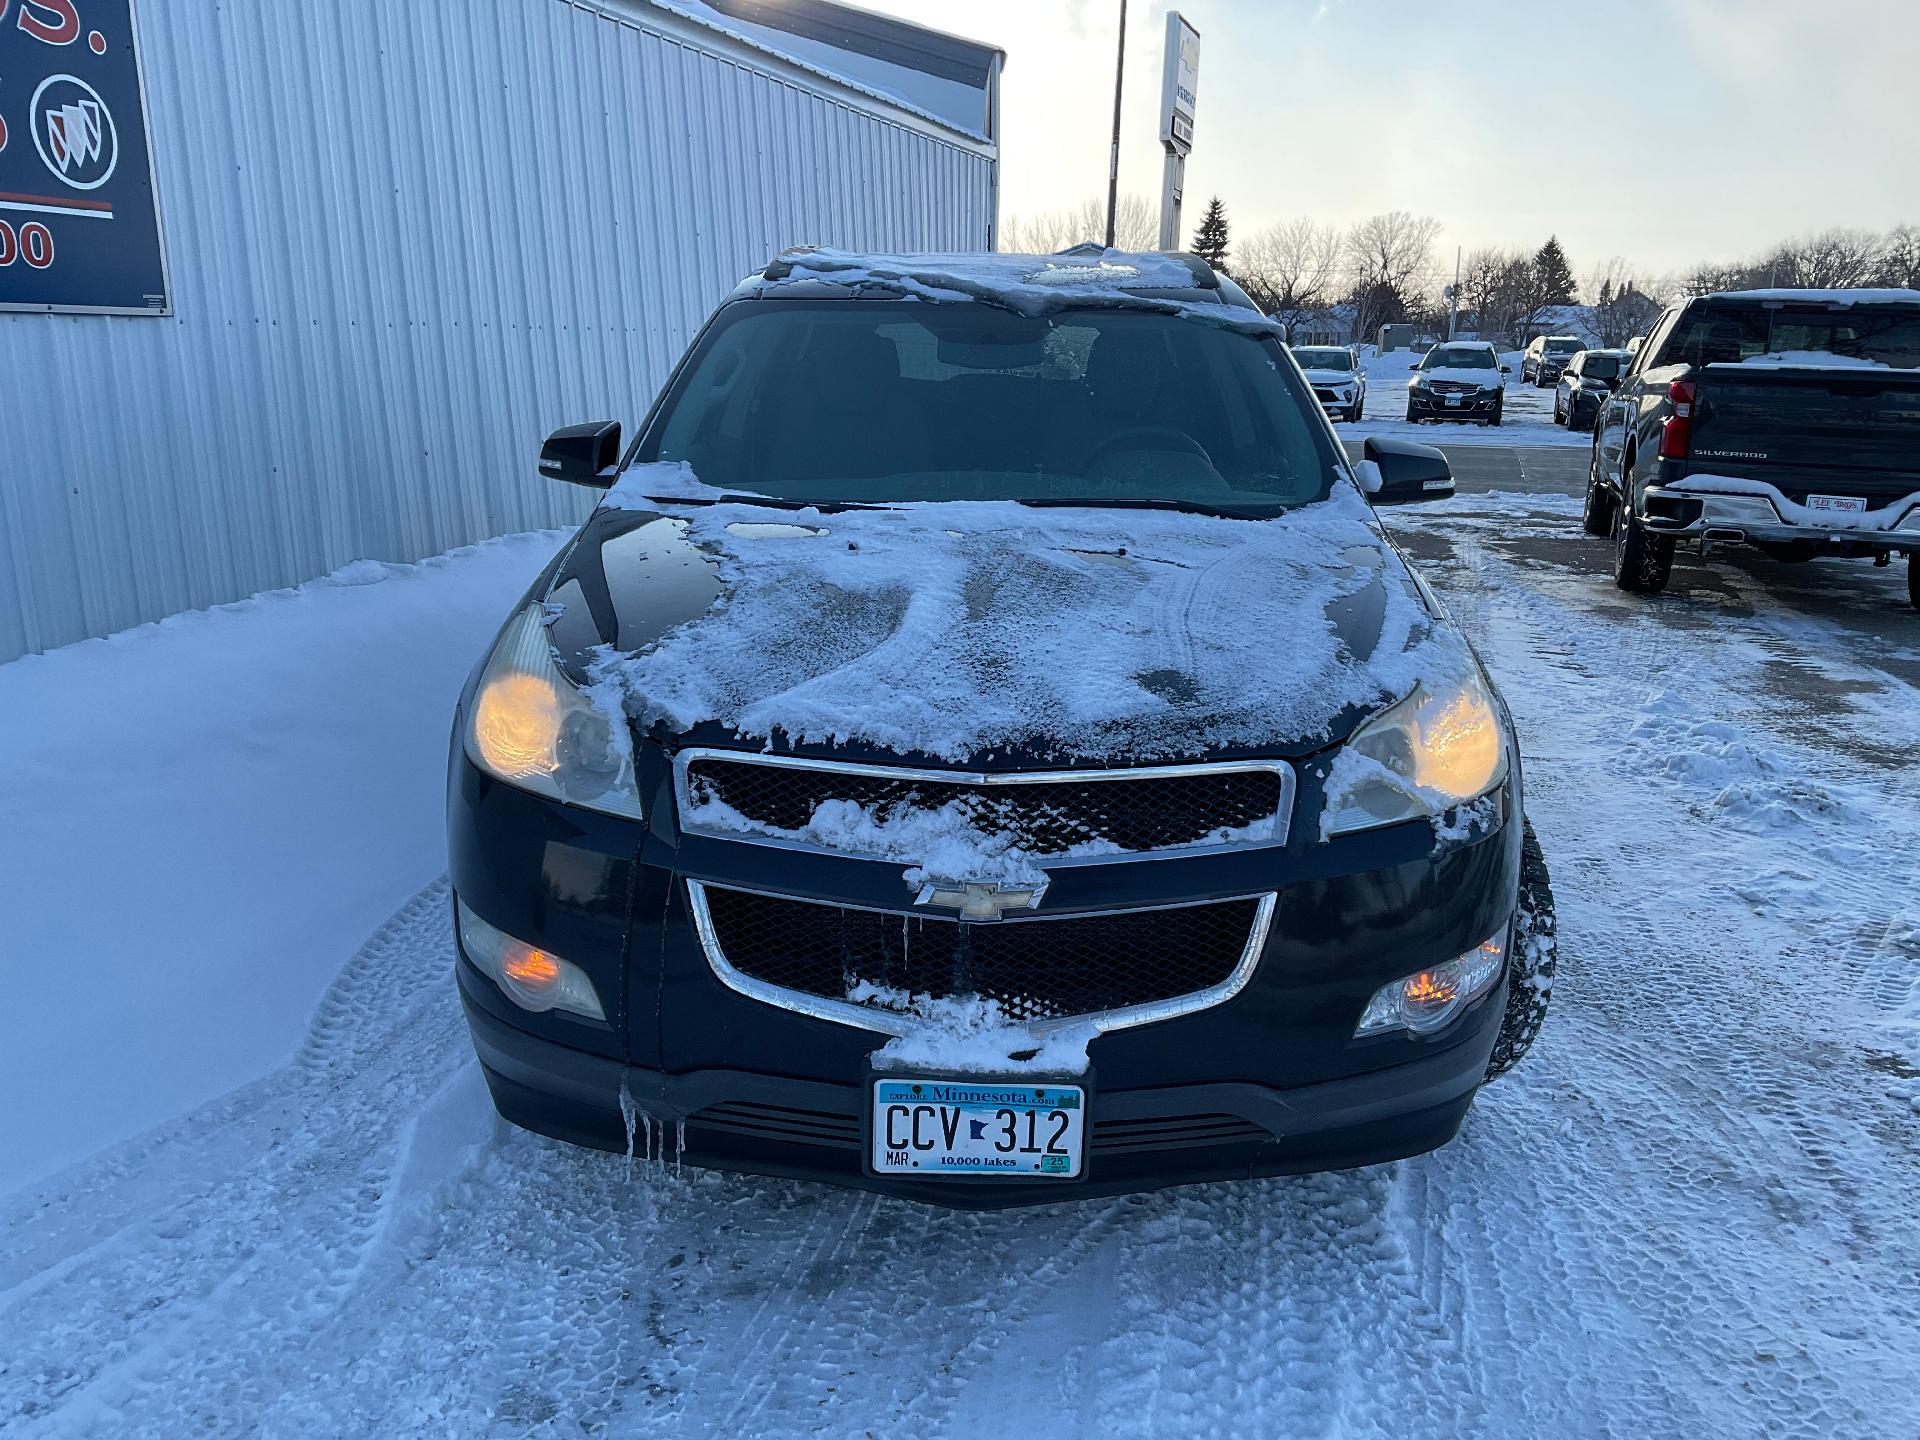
pixel 400 241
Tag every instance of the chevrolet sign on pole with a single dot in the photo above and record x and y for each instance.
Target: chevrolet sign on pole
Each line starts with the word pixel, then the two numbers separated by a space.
pixel 79 226
pixel 1180 80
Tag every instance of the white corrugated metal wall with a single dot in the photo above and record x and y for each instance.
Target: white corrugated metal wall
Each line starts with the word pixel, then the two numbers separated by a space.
pixel 407 239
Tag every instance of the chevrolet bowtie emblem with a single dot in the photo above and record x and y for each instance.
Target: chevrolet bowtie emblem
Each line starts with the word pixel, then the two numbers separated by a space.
pixel 980 899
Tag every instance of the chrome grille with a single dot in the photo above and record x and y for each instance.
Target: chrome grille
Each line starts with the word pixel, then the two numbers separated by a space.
pixel 1129 966
pixel 1049 813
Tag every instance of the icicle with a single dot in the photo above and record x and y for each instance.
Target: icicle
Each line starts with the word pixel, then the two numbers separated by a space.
pixel 628 1112
pixel 679 1145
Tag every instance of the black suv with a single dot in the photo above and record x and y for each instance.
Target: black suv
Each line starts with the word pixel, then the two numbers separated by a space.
pixel 983 748
pixel 1546 357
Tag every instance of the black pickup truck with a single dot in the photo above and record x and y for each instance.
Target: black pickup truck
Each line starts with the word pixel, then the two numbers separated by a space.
pixel 1788 420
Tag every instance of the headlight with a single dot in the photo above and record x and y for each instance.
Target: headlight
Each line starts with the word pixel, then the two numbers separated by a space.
pixel 1434 750
pixel 526 974
pixel 1427 1001
pixel 531 727
pixel 1419 382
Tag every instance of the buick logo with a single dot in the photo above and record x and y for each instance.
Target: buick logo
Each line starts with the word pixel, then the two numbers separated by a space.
pixel 74 132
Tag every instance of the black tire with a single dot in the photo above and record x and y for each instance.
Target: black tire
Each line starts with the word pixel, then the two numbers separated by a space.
pixel 1499 411
pixel 1597 517
pixel 1559 416
pixel 1531 963
pixel 1642 563
pixel 1913 577
pixel 1412 419
pixel 1354 412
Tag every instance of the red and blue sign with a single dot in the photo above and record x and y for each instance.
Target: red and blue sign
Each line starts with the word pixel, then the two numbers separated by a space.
pixel 79 226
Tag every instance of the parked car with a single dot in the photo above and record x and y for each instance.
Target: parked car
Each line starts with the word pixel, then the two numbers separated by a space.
pixel 1458 380
pixel 1546 356
pixel 1339 384
pixel 1584 385
pixel 899 781
pixel 1781 419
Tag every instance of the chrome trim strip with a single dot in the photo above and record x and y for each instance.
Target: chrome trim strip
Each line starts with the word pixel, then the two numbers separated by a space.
pixel 864 1017
pixel 1282 823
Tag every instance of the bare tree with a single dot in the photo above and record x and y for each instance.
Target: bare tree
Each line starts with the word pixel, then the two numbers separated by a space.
pixel 1289 269
pixel 1899 266
pixel 1135 227
pixel 1391 259
pixel 1498 286
pixel 1622 305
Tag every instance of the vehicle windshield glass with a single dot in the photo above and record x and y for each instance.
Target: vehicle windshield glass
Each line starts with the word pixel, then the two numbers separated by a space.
pixel 1728 333
pixel 1562 347
pixel 1600 367
pixel 1458 357
pixel 1328 359
pixel 877 401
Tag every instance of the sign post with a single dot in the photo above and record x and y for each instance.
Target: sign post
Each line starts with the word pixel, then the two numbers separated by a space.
pixel 1179 81
pixel 79 224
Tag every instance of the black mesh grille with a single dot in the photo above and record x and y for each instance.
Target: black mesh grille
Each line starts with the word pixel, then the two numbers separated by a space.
pixel 1050 818
pixel 1035 969
pixel 758 1121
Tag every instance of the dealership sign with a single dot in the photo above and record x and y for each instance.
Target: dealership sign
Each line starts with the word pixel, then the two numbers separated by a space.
pixel 1179 83
pixel 79 227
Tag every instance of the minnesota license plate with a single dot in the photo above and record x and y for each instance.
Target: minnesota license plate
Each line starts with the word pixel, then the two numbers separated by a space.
pixel 932 1127
pixel 1452 399
pixel 1844 504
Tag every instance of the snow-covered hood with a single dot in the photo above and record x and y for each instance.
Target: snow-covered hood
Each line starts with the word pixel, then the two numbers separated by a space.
pixel 995 634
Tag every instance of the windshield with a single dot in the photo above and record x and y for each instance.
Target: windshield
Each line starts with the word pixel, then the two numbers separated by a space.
pixel 1330 358
pixel 1562 347
pixel 1600 367
pixel 1725 332
pixel 876 401
pixel 1458 357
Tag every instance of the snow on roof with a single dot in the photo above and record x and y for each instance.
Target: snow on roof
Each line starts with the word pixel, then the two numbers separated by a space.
pixel 1029 284
pixel 952 104
pixel 1825 297
pixel 962 628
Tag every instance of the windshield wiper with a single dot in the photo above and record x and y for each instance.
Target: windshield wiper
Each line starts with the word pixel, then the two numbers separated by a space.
pixel 771 502
pixel 1185 507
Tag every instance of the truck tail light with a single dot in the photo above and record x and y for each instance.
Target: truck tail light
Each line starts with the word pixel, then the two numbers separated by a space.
pixel 1676 436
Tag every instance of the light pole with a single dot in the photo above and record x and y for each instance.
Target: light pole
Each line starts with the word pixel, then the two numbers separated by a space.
pixel 1113 156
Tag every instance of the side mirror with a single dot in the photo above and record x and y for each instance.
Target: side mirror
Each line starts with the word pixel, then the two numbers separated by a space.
pixel 583 454
pixel 1407 472
pixel 1506 369
pixel 1413 367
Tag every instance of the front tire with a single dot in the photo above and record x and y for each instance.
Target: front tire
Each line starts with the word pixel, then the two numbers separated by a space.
pixel 1354 412
pixel 1597 517
pixel 1559 415
pixel 1530 963
pixel 1913 577
pixel 1642 563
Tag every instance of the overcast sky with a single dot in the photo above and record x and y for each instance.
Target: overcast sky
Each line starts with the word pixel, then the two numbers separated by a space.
pixel 1666 133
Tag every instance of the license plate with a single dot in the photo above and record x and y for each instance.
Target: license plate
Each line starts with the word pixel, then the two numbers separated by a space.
pixel 1846 504
pixel 1017 1129
pixel 1452 399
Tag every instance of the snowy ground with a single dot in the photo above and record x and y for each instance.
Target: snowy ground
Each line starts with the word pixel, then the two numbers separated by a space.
pixel 1688 1214
pixel 1527 417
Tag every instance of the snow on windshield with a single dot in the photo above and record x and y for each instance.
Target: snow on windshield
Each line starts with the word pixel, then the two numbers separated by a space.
pixel 954 630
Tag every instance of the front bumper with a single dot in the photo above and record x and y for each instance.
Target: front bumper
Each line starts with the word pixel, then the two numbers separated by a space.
pixel 1142 1138
pixel 1754 519
pixel 1336 403
pixel 1475 406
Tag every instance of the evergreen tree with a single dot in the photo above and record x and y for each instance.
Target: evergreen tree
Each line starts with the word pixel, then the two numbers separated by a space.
pixel 1553 276
pixel 1210 240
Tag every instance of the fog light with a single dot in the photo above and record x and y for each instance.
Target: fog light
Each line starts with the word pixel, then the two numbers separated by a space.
pixel 527 975
pixel 1430 999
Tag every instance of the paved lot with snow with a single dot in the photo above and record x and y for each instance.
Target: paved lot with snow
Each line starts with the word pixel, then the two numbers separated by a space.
pixel 1689 1213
